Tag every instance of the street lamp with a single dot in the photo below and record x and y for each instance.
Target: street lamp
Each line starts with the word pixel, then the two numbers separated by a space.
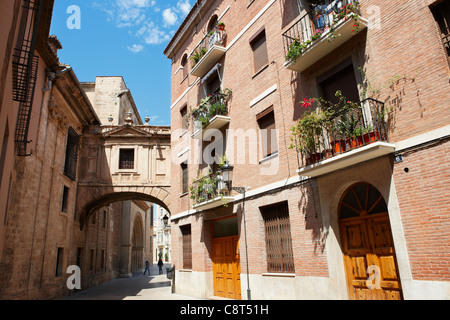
pixel 227 176
pixel 165 220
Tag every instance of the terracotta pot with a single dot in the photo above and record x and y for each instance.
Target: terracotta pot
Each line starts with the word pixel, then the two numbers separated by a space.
pixel 371 136
pixel 314 158
pixel 338 146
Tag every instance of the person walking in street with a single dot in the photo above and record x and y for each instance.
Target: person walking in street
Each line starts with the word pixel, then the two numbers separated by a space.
pixel 160 265
pixel 147 267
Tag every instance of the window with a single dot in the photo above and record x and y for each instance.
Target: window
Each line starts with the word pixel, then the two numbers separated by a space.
pixel 59 262
pixel 280 257
pixel 213 84
pixel 259 47
pixel 104 219
pixel 441 14
pixel 184 66
pixel 70 165
pixel 184 178
pixel 184 118
pixel 266 122
pixel 65 199
pixel 91 260
pixel 126 159
pixel 102 260
pixel 341 78
pixel 187 246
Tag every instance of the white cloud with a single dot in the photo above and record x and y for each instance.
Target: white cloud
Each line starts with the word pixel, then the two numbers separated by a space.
pixel 151 34
pixel 136 48
pixel 184 6
pixel 169 17
pixel 147 20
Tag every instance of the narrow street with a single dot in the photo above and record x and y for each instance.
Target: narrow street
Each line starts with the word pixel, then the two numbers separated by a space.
pixel 138 287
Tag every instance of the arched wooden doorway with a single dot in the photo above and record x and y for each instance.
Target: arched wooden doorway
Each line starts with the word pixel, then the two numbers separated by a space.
pixel 367 244
pixel 137 251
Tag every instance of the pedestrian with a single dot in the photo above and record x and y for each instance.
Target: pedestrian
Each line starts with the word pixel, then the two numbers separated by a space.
pixel 147 267
pixel 160 265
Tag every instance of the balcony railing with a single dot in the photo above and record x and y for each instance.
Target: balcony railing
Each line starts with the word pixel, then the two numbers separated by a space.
pixel 209 191
pixel 208 52
pixel 347 131
pixel 211 113
pixel 326 26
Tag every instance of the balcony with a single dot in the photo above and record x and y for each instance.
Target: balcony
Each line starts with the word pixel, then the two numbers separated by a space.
pixel 210 192
pixel 212 113
pixel 354 135
pixel 207 52
pixel 319 32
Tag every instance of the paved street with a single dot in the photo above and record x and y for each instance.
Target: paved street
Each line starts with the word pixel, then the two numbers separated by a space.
pixel 139 287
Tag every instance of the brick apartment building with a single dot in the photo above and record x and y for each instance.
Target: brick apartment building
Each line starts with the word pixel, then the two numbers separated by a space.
pixel 67 150
pixel 348 204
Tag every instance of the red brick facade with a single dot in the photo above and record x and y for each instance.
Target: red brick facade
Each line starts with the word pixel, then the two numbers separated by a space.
pixel 399 60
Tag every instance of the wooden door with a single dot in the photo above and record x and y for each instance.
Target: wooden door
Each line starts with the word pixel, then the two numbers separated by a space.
pixel 367 244
pixel 226 267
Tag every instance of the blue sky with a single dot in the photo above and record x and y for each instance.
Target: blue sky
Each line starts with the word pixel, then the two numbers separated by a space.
pixel 123 38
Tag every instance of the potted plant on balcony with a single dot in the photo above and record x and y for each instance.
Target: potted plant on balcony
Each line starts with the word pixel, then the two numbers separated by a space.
pixel 198 55
pixel 307 134
pixel 221 26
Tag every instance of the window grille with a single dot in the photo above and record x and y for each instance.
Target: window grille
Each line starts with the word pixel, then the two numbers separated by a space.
pixel 126 159
pixel 184 178
pixel 280 257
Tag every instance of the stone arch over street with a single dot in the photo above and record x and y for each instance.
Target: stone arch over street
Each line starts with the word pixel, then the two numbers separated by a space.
pixel 91 199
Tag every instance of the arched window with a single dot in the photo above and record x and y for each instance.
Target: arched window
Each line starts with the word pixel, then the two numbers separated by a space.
pixel 184 65
pixel 212 23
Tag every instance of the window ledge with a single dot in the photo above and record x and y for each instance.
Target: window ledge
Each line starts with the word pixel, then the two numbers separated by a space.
pixel 274 155
pixel 285 275
pixel 185 270
pixel 260 71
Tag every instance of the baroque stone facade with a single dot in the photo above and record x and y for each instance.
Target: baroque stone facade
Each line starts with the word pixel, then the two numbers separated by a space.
pixel 70 198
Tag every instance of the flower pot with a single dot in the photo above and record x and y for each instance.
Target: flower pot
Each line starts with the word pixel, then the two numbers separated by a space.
pixel 328 153
pixel 314 158
pixel 338 146
pixel 371 136
pixel 355 142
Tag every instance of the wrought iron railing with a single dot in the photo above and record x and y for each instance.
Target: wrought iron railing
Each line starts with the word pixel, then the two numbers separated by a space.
pixel 208 188
pixel 319 18
pixel 214 37
pixel 347 131
pixel 215 104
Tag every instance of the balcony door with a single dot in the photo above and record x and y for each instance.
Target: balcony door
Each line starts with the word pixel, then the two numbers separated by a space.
pixel 341 78
pixel 367 245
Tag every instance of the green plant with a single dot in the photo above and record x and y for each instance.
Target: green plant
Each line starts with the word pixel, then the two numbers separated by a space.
pixel 204 188
pixel 307 131
pixel 197 55
pixel 214 104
